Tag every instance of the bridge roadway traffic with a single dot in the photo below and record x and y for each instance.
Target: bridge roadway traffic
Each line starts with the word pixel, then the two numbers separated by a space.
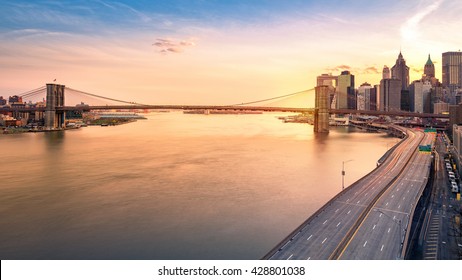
pixel 338 228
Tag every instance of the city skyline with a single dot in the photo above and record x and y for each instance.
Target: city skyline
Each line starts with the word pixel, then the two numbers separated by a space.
pixel 216 52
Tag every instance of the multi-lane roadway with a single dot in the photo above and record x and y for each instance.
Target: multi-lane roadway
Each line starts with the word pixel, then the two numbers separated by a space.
pixel 368 220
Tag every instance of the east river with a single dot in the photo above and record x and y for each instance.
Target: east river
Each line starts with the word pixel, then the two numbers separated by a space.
pixel 174 186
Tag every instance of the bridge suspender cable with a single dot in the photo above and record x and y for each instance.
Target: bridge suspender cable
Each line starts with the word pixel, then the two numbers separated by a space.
pixel 32 92
pixel 273 98
pixel 102 97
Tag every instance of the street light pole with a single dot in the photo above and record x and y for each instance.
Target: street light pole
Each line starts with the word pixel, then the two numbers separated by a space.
pixel 343 172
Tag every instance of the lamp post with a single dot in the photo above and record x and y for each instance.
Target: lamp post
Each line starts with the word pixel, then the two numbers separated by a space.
pixel 343 172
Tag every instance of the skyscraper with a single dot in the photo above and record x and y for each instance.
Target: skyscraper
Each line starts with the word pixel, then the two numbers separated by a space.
pixel 363 99
pixel 390 95
pixel 386 72
pixel 429 68
pixel 346 97
pixel 401 72
pixel 420 97
pixel 452 70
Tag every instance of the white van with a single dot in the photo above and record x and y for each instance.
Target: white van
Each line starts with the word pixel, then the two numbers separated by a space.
pixel 454 187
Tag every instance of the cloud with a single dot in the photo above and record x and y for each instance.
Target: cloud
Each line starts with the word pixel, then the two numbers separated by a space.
pixel 371 70
pixel 410 29
pixel 165 46
pixel 338 68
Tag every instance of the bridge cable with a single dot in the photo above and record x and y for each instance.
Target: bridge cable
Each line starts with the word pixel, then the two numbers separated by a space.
pixel 107 98
pixel 272 98
pixel 31 92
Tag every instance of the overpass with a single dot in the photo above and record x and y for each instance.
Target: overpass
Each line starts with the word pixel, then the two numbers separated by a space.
pixel 371 218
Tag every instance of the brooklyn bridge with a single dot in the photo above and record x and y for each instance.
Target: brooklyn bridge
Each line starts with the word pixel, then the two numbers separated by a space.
pixel 54 106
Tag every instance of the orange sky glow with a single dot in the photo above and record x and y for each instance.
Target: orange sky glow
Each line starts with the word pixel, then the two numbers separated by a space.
pixel 231 61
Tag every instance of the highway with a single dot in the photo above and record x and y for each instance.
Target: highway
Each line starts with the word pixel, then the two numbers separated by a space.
pixel 368 206
pixel 382 233
pixel 438 238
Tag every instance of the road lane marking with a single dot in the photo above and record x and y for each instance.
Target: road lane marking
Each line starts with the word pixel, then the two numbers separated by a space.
pixel 339 224
pixel 392 196
pixel 358 202
pixel 349 212
pixel 309 237
pixel 381 249
pixel 365 244
pixel 348 200
pixel 324 240
pixel 366 194
pixel 374 226
pixel 394 217
pixel 337 210
pixel 308 258
pixel 404 198
pixel 386 204
pixel 324 222
pixel 290 257
pixel 389 230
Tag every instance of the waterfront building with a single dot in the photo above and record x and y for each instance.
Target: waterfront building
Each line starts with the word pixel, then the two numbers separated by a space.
pixel 455 114
pixel 457 143
pixel 390 95
pixel 441 108
pixel 386 72
pixel 363 99
pixel 346 94
pixel 420 96
pixel 15 99
pixel 452 70
pixel 400 71
pixel 375 97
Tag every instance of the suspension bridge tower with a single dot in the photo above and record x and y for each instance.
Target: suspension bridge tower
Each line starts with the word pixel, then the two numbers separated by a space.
pixel 54 118
pixel 321 111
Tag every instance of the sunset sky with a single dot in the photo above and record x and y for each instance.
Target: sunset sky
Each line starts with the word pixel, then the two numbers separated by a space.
pixel 216 52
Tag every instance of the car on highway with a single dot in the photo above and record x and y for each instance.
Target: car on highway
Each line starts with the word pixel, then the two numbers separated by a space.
pixel 452 177
pixel 454 187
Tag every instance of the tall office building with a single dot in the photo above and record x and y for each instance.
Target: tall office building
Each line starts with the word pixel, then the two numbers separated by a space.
pixel 429 68
pixel 420 96
pixel 452 70
pixel 400 71
pixel 390 95
pixel 386 72
pixel 346 97
pixel 363 99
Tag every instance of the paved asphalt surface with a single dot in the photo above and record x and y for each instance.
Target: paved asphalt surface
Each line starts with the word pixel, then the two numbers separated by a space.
pixel 380 234
pixel 439 237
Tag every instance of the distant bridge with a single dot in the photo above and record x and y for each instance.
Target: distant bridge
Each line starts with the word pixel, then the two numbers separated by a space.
pixel 55 106
pixel 218 107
